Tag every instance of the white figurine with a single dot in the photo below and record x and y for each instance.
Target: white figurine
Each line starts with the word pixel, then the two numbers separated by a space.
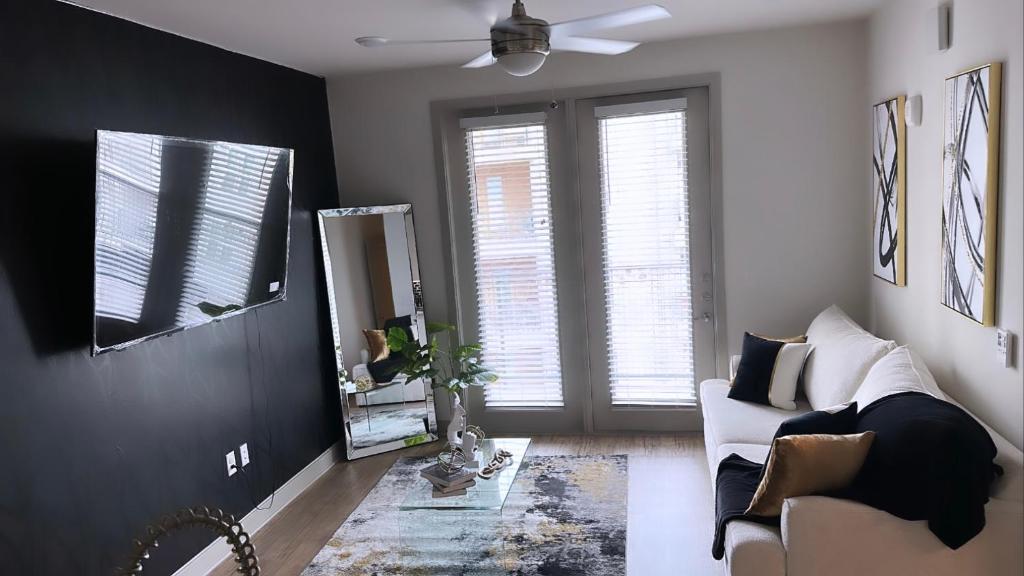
pixel 458 423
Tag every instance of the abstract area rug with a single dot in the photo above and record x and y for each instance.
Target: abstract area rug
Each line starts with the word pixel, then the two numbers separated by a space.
pixel 565 516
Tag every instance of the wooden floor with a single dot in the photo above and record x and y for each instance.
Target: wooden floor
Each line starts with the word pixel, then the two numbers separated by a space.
pixel 671 513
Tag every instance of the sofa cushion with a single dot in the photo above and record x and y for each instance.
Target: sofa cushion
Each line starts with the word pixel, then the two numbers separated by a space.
pixel 752 452
pixel 838 537
pixel 898 371
pixel 732 421
pixel 841 357
pixel 753 549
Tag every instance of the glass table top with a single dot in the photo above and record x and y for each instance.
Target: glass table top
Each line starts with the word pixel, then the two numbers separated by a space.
pixel 486 494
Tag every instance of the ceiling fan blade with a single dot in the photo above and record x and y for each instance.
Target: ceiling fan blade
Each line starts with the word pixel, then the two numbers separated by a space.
pixel 481 61
pixel 592 45
pixel 378 41
pixel 638 15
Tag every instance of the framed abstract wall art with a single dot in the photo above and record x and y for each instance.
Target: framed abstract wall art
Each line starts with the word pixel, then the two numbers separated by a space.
pixel 889 189
pixel 970 179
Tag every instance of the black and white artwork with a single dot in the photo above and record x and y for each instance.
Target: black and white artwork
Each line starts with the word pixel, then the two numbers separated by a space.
pixel 970 175
pixel 889 190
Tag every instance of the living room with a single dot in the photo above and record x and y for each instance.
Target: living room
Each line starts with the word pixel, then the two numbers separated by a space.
pixel 512 287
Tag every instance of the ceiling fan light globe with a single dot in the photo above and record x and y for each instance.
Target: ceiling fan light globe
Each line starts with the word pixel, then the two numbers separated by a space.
pixel 521 63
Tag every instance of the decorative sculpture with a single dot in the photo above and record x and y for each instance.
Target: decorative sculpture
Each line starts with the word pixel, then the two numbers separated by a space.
pixel 457 427
pixel 223 524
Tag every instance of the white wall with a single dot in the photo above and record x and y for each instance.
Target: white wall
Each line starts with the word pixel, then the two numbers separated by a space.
pixel 904 59
pixel 794 165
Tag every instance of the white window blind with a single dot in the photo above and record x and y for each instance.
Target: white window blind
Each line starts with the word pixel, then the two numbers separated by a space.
pixel 222 251
pixel 646 253
pixel 514 261
pixel 128 188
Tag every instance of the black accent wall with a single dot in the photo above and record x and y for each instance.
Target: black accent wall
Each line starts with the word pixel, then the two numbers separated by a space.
pixel 94 449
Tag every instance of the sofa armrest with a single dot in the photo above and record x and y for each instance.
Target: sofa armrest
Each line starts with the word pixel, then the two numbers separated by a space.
pixel 840 537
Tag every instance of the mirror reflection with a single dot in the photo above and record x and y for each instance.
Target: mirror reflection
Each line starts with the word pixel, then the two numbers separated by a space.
pixel 373 283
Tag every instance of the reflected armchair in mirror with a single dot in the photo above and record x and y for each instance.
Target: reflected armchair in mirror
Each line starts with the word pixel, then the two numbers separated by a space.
pixel 373 278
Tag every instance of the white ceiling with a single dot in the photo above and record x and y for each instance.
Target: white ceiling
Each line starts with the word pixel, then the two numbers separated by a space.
pixel 317 35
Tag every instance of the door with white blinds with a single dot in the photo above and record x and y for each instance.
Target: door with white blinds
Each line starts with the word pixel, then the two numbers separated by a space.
pixel 513 236
pixel 514 260
pixel 581 246
pixel 647 257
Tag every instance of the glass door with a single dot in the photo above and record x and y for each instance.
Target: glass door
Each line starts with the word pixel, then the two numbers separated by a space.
pixel 646 221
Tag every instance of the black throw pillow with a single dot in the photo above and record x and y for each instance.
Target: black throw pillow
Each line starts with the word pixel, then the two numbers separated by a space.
pixel 754 374
pixel 931 461
pixel 838 420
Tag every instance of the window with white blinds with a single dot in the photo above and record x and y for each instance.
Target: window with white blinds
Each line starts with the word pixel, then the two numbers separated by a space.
pixel 646 253
pixel 128 170
pixel 222 251
pixel 514 260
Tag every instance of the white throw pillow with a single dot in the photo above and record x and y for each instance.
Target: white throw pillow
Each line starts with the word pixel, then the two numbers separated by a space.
pixel 842 355
pixel 901 370
pixel 782 392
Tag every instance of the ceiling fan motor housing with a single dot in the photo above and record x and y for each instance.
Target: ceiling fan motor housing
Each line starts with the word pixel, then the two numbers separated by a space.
pixel 520 34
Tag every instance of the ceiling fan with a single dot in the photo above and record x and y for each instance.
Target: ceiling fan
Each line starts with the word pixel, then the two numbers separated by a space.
pixel 521 43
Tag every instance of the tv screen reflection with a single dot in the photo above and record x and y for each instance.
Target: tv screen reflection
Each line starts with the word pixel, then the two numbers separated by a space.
pixel 187 231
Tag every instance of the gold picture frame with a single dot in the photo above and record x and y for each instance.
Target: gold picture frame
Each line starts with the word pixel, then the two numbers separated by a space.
pixel 971 102
pixel 889 190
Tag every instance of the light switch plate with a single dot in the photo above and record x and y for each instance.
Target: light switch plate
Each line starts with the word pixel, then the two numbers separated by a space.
pixel 230 457
pixel 1004 347
pixel 243 451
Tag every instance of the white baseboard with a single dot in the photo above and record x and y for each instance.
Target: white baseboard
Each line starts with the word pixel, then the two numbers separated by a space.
pixel 203 563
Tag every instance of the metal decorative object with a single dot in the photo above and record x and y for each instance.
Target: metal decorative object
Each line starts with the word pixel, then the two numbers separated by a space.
pixel 452 458
pixel 478 432
pixel 223 524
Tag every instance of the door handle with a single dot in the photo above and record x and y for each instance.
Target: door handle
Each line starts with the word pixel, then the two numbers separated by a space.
pixel 706 317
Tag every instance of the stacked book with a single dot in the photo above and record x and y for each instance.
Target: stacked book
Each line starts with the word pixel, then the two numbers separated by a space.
pixel 448 483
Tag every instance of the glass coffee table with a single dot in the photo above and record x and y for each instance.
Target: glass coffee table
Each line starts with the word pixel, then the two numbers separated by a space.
pixel 487 494
pixel 479 510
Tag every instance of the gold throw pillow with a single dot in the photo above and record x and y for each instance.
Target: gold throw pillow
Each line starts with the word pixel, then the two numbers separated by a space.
pixel 802 339
pixel 377 341
pixel 806 464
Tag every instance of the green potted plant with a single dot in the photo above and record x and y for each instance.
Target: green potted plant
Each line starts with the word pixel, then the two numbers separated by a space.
pixel 454 368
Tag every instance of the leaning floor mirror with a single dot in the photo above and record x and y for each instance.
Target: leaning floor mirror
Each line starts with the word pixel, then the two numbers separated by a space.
pixel 373 285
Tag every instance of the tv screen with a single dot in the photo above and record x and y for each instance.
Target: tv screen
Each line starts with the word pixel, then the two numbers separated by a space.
pixel 187 232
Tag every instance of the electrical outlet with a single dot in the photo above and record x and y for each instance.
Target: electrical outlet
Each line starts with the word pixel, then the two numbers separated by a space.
pixel 1004 347
pixel 243 451
pixel 232 467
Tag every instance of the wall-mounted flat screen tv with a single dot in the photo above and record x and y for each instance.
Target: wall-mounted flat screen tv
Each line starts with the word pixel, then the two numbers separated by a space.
pixel 187 232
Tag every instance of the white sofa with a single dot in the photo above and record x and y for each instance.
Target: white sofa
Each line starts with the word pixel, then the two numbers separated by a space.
pixel 828 536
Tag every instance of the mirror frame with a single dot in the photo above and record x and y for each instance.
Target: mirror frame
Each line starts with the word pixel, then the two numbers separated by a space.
pixel 351 451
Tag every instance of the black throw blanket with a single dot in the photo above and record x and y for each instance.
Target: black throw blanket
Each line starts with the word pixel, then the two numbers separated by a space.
pixel 931 461
pixel 734 489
